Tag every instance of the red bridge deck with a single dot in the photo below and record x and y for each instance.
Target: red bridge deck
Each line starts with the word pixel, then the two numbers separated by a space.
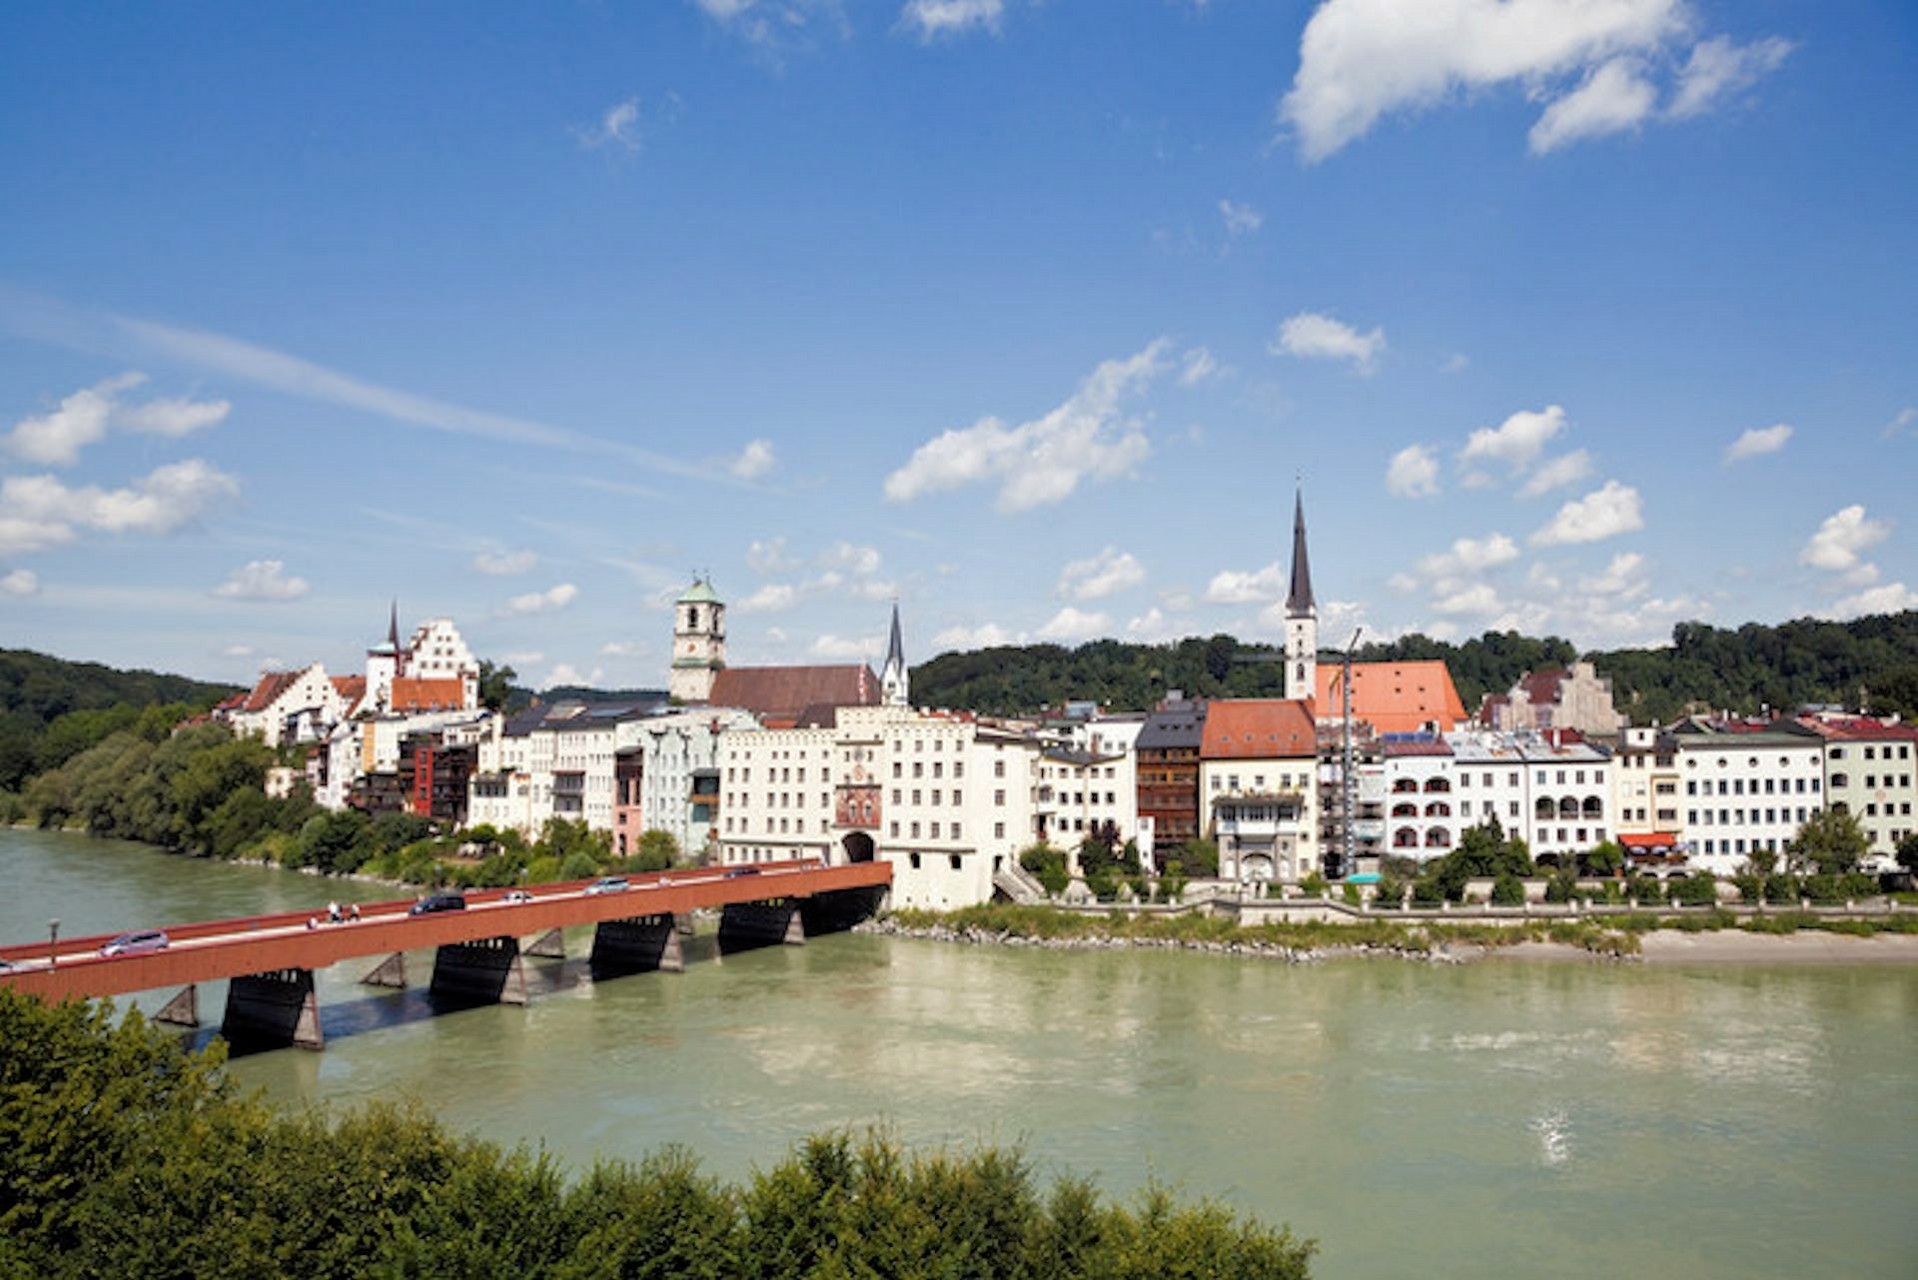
pixel 262 944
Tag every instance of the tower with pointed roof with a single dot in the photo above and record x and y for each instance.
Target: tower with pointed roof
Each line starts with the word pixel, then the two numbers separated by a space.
pixel 1301 616
pixel 893 680
pixel 383 664
pixel 699 642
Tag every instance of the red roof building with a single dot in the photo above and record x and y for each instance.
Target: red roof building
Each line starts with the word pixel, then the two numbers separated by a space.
pixel 782 696
pixel 420 694
pixel 1393 697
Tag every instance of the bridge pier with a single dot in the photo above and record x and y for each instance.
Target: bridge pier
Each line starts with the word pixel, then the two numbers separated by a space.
pixel 550 945
pixel 483 971
pixel 390 973
pixel 183 1010
pixel 642 944
pixel 272 1010
pixel 745 925
pixel 840 909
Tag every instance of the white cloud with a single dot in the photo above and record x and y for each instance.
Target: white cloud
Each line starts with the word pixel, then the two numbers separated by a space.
pixel 773 26
pixel 771 598
pixel 39 511
pixel 1614 98
pixel 1198 366
pixel 1240 219
pixel 754 461
pixel 770 557
pixel 855 559
pixel 1070 626
pixel 566 673
pixel 1903 424
pixel 1042 461
pixel 618 127
pixel 1477 598
pixel 931 19
pixel 1622 577
pixel 987 635
pixel 624 649
pixel 544 601
pixel 1107 573
pixel 21 582
pixel 1757 441
pixel 1457 362
pixel 1470 555
pixel 1311 336
pixel 1231 586
pixel 1360 60
pixel 525 658
pixel 1153 627
pixel 261 580
pixel 1565 469
pixel 56 438
pixel 237 651
pixel 1518 440
pixel 847 648
pixel 1718 68
pixel 1603 513
pixel 1893 597
pixel 1840 539
pixel 1412 473
pixel 503 564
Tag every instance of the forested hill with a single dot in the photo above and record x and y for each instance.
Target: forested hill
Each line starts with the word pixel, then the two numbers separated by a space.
pixel 51 709
pixel 1743 669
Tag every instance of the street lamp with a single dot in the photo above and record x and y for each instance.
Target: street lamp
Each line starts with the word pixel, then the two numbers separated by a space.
pixel 53 944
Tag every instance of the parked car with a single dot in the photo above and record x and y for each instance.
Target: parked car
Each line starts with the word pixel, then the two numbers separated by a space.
pixel 433 903
pixel 737 872
pixel 136 944
pixel 608 884
pixel 518 896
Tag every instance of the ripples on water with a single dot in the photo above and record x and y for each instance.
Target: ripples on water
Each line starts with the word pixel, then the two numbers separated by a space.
pixel 1534 1120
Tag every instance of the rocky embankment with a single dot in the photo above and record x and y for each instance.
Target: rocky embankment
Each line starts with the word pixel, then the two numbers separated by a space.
pixel 975 936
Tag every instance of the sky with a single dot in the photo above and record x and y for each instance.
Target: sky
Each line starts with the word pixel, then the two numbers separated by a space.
pixel 1580 317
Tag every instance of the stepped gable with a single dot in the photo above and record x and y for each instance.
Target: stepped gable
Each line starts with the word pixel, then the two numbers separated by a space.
pixel 1394 697
pixel 782 696
pixel 271 685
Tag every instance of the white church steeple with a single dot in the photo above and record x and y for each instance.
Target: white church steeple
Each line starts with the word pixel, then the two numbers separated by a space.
pixel 1301 617
pixel 894 680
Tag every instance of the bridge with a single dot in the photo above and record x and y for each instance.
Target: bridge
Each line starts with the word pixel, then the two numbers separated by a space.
pixel 268 960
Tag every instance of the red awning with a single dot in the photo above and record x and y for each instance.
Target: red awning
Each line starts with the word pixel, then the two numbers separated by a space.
pixel 1650 840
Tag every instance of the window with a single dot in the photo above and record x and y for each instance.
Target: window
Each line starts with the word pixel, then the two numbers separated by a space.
pixel 999 797
pixel 998 831
pixel 953 860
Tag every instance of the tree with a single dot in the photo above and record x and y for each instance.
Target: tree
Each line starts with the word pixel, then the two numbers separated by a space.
pixel 1830 840
pixel 1908 853
pixel 495 685
pixel 1199 858
pixel 657 851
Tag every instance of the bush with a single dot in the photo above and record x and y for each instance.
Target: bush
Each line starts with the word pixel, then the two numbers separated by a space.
pixel 1313 886
pixel 1784 889
pixel 1697 890
pixel 1562 887
pixel 1751 886
pixel 1508 891
pixel 1822 888
pixel 1352 894
pixel 1200 858
pixel 1427 891
pixel 657 851
pixel 1391 892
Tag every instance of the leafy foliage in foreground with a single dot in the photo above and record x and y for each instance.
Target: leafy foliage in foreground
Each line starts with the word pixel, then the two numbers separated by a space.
pixel 121 1154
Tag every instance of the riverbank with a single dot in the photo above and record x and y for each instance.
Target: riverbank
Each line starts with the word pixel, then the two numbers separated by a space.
pixel 1713 938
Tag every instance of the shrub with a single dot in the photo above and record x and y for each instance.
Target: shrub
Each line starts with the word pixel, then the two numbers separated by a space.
pixel 1352 894
pixel 1562 887
pixel 1697 890
pixel 1508 891
pixel 1313 885
pixel 1822 887
pixel 1784 889
pixel 1427 891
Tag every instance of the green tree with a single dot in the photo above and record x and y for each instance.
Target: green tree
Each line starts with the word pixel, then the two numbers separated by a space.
pixel 495 685
pixel 1831 841
pixel 1908 853
pixel 1200 858
pixel 657 851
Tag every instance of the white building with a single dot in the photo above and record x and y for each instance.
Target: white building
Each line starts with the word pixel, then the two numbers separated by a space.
pixel 1086 793
pixel 1745 792
pixel 552 762
pixel 668 769
pixel 287 706
pixel 1552 791
pixel 948 801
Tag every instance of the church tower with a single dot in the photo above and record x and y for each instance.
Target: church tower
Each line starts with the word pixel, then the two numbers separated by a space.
pixel 893 679
pixel 1301 617
pixel 383 665
pixel 699 643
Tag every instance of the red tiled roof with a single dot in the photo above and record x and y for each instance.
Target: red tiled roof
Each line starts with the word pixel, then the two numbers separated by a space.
pixel 1394 697
pixel 1543 686
pixel 1860 728
pixel 1257 729
pixel 417 693
pixel 272 684
pixel 786 693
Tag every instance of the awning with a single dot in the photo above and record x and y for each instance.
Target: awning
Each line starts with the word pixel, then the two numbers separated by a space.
pixel 1650 842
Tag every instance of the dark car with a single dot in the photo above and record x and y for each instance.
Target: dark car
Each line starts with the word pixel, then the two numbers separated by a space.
pixel 737 872
pixel 136 944
pixel 433 903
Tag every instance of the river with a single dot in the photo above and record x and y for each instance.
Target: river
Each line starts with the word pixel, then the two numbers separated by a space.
pixel 1529 1118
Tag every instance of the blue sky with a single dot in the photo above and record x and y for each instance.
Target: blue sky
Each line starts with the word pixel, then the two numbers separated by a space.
pixel 1579 316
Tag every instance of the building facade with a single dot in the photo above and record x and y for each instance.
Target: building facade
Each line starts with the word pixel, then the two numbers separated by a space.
pixel 1258 783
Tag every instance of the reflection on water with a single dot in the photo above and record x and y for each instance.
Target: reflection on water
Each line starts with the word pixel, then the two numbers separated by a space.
pixel 1536 1120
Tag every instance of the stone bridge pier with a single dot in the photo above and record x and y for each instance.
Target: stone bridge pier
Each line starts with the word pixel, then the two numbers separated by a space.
pixel 745 925
pixel 840 909
pixel 272 1010
pixel 484 971
pixel 641 944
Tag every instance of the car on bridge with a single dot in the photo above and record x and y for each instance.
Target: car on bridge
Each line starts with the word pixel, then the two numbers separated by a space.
pixel 136 944
pixel 516 897
pixel 434 903
pixel 737 872
pixel 608 884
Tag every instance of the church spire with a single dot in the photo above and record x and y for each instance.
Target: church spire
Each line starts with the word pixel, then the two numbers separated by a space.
pixel 393 625
pixel 1299 602
pixel 893 680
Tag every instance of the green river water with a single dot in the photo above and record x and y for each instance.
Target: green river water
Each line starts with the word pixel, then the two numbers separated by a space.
pixel 1514 1117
